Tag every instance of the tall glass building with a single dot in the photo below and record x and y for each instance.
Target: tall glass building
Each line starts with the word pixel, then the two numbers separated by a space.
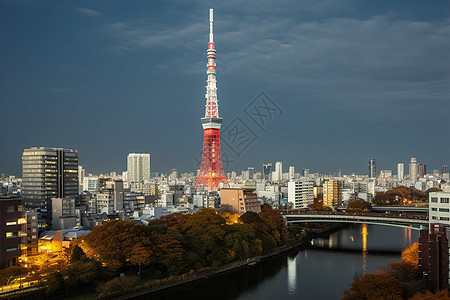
pixel 48 173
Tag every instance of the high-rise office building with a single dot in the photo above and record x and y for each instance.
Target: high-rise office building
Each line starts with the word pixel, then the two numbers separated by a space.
pixel 444 169
pixel 138 167
pixel 413 169
pixel 400 171
pixel 331 193
pixel 372 168
pixel 422 170
pixel 291 173
pixel 267 171
pixel 305 172
pixel 278 174
pixel 48 173
pixel 81 174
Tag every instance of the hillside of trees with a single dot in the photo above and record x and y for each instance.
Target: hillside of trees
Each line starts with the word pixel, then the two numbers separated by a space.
pixel 173 247
pixel 398 195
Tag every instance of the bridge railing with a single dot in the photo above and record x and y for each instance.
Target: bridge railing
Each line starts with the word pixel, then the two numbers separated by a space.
pixel 354 214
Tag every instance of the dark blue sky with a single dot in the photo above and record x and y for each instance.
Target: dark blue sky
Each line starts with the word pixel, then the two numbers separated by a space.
pixel 354 79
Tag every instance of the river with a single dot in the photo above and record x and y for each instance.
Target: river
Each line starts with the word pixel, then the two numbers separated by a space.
pixel 321 270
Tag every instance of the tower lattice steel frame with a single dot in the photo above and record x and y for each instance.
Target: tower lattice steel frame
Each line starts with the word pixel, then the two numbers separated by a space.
pixel 211 169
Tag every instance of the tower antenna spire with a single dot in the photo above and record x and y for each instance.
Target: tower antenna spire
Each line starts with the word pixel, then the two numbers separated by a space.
pixel 211 34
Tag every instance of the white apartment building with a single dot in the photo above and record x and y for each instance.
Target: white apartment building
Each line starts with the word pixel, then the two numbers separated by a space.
pixel 90 184
pixel 138 167
pixel 300 193
pixel 400 171
pixel 439 208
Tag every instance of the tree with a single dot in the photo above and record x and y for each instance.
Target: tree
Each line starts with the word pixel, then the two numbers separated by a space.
pixel 49 262
pixel 82 273
pixel 318 206
pixel 118 285
pixel 118 243
pixel 77 254
pixel 250 217
pixel 411 254
pixel 440 295
pixel 381 285
pixel 358 205
pixel 7 275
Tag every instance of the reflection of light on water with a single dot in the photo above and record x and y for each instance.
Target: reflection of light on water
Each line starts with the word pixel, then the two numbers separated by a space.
pixel 364 235
pixel 292 274
pixel 407 236
pixel 332 241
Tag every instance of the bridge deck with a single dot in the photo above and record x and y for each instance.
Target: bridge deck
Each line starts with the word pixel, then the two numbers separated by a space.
pixel 370 218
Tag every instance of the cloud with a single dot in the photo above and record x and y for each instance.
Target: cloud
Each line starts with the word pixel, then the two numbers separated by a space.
pixel 366 64
pixel 89 12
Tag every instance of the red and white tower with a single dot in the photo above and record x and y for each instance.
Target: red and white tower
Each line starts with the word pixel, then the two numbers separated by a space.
pixel 211 170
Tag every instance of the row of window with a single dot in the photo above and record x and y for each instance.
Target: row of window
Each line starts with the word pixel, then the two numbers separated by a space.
pixel 440 209
pixel 443 200
pixel 441 218
pixel 12 234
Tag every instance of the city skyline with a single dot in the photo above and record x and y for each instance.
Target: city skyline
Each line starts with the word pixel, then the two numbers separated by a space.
pixel 370 81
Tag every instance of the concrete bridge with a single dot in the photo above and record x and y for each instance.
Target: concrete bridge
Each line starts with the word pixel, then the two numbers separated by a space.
pixel 412 222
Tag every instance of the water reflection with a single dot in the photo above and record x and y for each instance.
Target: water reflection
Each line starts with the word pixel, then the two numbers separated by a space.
pixel 364 254
pixel 292 274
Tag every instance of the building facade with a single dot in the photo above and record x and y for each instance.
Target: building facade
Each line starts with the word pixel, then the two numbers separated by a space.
pixel 11 229
pixel 331 193
pixel 400 171
pixel 439 208
pixel 239 200
pixel 267 172
pixel 277 175
pixel 63 213
pixel 372 168
pixel 413 169
pixel 138 167
pixel 301 193
pixel 48 173
pixel 434 256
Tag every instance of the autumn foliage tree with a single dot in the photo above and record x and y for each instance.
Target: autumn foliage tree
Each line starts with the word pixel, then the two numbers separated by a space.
pixel 180 243
pixel 397 195
pixel 119 243
pixel 400 281
pixel 358 205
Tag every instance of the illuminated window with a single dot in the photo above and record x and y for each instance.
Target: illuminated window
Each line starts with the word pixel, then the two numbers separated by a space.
pixel 11 223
